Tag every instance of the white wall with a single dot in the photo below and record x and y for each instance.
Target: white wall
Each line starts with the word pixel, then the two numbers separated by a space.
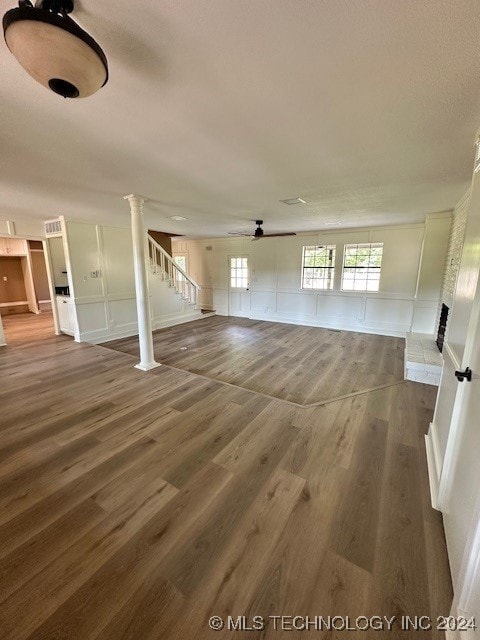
pixel 57 257
pixel 430 277
pixel 21 226
pixel 412 269
pixel 102 285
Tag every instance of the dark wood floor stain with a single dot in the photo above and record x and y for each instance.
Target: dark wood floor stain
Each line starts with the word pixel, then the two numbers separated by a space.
pixel 135 506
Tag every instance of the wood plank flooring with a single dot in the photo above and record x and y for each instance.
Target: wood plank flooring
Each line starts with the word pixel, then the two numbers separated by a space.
pixel 134 505
pixel 304 365
pixel 23 327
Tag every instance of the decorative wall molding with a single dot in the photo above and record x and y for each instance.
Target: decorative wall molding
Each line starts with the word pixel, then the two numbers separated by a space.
pixel 409 288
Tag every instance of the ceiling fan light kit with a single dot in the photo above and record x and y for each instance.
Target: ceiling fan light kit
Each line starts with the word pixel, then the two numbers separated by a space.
pixel 53 49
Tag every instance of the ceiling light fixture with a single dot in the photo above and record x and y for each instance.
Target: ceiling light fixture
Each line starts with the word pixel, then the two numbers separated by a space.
pixel 53 49
pixel 177 218
pixel 332 224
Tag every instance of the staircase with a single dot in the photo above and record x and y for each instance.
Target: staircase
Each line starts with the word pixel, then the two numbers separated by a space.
pixel 164 265
pixel 174 294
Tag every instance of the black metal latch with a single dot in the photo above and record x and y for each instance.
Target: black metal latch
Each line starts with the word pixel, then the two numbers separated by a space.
pixel 464 375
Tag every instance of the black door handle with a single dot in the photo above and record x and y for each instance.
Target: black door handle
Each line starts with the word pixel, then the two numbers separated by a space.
pixel 464 375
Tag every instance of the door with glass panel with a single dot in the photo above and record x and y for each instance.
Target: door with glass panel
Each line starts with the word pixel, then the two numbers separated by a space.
pixel 239 268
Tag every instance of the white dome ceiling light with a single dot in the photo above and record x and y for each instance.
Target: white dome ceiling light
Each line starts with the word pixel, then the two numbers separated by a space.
pixel 53 49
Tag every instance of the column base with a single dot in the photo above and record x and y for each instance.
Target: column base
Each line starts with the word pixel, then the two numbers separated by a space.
pixel 147 367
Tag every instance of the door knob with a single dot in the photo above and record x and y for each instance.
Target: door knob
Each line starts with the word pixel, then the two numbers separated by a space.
pixel 464 375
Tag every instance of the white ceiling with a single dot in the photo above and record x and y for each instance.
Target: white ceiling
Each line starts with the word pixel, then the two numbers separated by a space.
pixel 218 109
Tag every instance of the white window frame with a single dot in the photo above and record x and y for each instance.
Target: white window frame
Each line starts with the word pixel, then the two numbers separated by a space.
pixel 327 269
pixel 238 275
pixel 367 273
pixel 180 277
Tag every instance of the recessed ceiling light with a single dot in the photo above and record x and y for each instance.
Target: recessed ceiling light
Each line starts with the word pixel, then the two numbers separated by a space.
pixel 177 218
pixel 294 201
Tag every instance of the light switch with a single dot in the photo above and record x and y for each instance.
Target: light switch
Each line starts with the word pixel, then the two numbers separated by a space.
pixel 5 278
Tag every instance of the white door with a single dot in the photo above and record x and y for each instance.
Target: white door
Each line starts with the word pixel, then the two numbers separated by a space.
pixel 457 327
pixel 460 486
pixel 456 424
pixel 239 268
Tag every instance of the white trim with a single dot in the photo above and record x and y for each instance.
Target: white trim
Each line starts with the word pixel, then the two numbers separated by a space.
pixel 14 304
pixel 380 328
pixel 432 468
pixel 148 367
pixel 452 355
pixel 51 286
pixel 131 329
pixel 438 460
pixel 453 441
pixel 468 575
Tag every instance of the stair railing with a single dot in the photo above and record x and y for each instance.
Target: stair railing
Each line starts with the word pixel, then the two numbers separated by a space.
pixel 163 264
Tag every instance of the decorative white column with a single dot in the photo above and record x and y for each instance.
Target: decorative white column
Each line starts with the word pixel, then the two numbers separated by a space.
pixel 145 338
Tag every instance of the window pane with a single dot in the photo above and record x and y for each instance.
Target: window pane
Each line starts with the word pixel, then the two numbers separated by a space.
pixel 318 265
pixel 239 273
pixel 361 266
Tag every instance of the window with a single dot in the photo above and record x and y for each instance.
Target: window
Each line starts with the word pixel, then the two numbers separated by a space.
pixel 318 266
pixel 362 264
pixel 239 273
pixel 182 263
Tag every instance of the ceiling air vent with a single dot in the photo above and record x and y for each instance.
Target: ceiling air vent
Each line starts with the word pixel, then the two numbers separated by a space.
pixel 208 247
pixel 53 227
pixel 294 201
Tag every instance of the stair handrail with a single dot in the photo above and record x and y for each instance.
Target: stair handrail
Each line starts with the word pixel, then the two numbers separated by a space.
pixel 173 269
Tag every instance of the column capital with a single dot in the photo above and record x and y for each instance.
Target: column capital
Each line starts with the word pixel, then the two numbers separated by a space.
pixel 133 197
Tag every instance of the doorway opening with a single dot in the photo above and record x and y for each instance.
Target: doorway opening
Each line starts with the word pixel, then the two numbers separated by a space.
pixel 25 300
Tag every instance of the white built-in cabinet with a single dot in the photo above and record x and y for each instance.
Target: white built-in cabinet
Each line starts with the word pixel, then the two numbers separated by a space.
pixel 66 315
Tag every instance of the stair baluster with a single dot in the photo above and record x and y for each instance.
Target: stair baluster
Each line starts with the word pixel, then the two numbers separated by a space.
pixel 163 264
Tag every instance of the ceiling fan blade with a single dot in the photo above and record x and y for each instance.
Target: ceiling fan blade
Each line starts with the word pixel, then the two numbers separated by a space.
pixel 278 235
pixel 258 234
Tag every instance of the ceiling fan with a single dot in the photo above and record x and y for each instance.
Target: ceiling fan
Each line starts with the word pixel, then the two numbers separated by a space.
pixel 259 233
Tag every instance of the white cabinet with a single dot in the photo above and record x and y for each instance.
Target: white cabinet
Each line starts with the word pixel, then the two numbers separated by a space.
pixel 13 247
pixel 66 315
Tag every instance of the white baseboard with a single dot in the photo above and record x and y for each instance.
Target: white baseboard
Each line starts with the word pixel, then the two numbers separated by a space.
pixel 106 335
pixel 14 304
pixel 433 473
pixel 131 329
pixel 380 329
pixel 171 320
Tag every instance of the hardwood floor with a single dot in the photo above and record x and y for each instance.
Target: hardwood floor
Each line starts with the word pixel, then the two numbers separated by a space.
pixel 23 327
pixel 134 505
pixel 304 365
